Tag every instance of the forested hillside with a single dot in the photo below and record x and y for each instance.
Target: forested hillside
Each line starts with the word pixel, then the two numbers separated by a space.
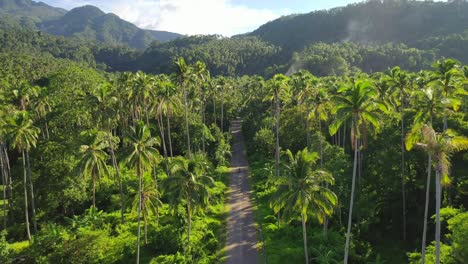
pixel 86 22
pixel 357 150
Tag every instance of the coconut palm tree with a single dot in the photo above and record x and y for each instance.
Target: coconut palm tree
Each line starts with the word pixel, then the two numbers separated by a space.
pixel 356 102
pixel 150 204
pixel 445 78
pixel 399 80
pixel 189 185
pixel 142 156
pixel 441 146
pixel 105 99
pixel 429 103
pixel 304 83
pixel 278 91
pixel 23 135
pixel 94 158
pixel 301 187
pixel 184 78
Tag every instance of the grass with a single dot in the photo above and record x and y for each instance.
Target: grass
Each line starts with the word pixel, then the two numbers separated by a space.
pixel 224 172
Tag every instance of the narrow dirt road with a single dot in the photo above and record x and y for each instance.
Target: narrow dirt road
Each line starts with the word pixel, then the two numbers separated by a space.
pixel 241 237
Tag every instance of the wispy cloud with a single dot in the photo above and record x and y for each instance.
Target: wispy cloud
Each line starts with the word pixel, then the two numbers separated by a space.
pixel 184 16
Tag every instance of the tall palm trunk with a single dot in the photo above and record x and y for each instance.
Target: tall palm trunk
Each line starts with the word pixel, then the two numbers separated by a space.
pixel 139 214
pixel 187 121
pixel 145 224
pixel 202 113
pixel 31 190
pixel 4 185
pixel 46 128
pixel 214 109
pixel 9 180
pixel 26 214
pixel 222 112
pixel 117 172
pixel 159 118
pixel 308 126
pixel 325 222
pixel 94 187
pixel 304 237
pixel 351 201
pixel 189 224
pixel 169 134
pixel 426 208
pixel 277 154
pixel 437 231
pixel 403 191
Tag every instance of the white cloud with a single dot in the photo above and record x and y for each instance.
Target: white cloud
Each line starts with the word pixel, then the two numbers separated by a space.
pixel 183 16
pixel 193 17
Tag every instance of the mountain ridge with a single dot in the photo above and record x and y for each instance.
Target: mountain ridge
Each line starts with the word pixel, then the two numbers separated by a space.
pixel 86 22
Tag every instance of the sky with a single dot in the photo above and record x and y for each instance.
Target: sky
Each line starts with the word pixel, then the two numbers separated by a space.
pixel 191 17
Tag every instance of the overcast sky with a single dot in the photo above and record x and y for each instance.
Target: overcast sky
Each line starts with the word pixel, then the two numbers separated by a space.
pixel 225 17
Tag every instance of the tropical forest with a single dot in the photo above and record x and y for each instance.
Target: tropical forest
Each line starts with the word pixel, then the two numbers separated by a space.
pixel 334 136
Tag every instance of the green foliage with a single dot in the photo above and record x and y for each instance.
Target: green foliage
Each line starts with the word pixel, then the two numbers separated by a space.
pixel 5 251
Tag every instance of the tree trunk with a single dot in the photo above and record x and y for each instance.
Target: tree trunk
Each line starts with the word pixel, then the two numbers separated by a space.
pixel 437 232
pixel 308 127
pixel 203 123
pixel 139 213
pixel 325 222
pixel 214 109
pixel 26 214
pixel 222 112
pixel 31 190
pixel 187 121
pixel 47 129
pixel 189 224
pixel 426 209
pixel 10 182
pixel 353 183
pixel 4 185
pixel 403 191
pixel 146 230
pixel 117 172
pixel 304 237
pixel 169 134
pixel 277 154
pixel 94 187
pixel 159 118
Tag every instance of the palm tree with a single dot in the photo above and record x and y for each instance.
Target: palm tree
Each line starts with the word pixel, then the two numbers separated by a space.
pixel 150 204
pixel 305 85
pixel 185 77
pixel 105 99
pixel 429 102
pixel 189 182
pixel 23 135
pixel 278 89
pixel 356 103
pixel 141 157
pixel 444 77
pixel 302 187
pixel 93 159
pixel 441 146
pixel 399 80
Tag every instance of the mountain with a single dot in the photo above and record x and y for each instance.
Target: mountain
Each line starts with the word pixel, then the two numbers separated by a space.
pixel 372 21
pixel 36 11
pixel 86 22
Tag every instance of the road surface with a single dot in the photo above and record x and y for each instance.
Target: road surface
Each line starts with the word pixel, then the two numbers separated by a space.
pixel 241 233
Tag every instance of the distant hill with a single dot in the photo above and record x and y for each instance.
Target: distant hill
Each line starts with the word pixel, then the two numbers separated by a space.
pixel 369 22
pixel 27 8
pixel 86 22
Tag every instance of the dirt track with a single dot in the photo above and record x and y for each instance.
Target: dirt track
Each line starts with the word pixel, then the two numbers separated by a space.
pixel 241 234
